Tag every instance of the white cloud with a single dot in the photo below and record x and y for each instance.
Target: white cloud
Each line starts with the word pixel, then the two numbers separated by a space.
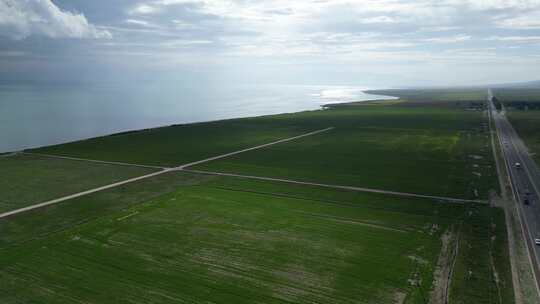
pixel 142 23
pixel 144 9
pixel 22 18
pixel 524 22
pixel 379 19
pixel 449 39
pixel 514 38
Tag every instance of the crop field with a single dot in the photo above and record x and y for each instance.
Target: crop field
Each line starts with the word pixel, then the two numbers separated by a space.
pixel 180 144
pixel 527 124
pixel 198 238
pixel 182 237
pixel 518 95
pixel 430 150
pixel 30 179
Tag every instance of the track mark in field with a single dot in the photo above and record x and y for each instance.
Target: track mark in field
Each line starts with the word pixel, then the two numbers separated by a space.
pixel 127 216
pixel 93 160
pixel 350 221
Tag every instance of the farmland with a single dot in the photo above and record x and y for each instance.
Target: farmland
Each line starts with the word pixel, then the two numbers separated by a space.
pixel 524 114
pixel 175 145
pixel 31 179
pixel 183 237
pixel 527 124
pixel 436 150
pixel 430 150
pixel 229 240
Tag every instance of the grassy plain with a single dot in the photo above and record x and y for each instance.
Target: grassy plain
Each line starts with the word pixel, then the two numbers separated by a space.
pixel 524 114
pixel 30 179
pixel 427 150
pixel 517 95
pixel 180 144
pixel 482 272
pixel 527 124
pixel 188 238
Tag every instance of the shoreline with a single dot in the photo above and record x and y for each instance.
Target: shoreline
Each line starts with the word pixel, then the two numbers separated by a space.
pixel 321 107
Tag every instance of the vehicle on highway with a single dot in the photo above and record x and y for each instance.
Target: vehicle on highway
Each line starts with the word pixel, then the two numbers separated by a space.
pixel 518 165
pixel 526 200
pixel 537 241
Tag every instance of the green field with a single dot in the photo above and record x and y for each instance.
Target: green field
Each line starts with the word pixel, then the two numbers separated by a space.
pixel 31 179
pixel 431 149
pixel 527 124
pixel 518 95
pixel 223 240
pixel 180 144
pixel 198 238
pixel 426 150
pixel 523 107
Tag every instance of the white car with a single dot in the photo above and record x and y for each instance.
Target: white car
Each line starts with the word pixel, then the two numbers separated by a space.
pixel 537 241
pixel 518 165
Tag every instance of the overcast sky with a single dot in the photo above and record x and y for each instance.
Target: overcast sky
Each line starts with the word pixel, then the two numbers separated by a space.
pixel 377 43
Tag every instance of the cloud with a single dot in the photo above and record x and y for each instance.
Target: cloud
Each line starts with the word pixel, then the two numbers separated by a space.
pixel 514 38
pixel 20 19
pixel 449 39
pixel 523 22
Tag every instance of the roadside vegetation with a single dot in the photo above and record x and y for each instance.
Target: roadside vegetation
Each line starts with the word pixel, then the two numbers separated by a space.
pixel 524 113
pixel 30 179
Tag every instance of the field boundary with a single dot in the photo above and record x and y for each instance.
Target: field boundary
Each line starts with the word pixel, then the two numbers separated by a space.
pixel 351 188
pixel 181 167
pixel 93 160
pixel 79 194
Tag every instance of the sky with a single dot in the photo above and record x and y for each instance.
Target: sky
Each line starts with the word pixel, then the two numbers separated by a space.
pixel 373 43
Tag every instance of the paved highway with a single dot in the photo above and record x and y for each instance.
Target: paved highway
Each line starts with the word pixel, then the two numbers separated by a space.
pixel 525 180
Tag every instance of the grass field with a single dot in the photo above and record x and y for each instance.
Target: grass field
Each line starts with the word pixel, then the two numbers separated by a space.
pixel 482 261
pixel 517 95
pixel 180 144
pixel 191 239
pixel 438 150
pixel 527 124
pixel 187 238
pixel 30 179
pixel 524 114
pixel 430 150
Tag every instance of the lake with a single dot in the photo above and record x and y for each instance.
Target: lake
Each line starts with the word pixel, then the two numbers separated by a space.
pixel 32 116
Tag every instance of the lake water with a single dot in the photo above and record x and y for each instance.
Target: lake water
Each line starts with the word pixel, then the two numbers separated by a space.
pixel 32 116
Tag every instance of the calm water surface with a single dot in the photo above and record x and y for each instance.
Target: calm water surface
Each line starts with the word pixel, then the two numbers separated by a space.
pixel 32 116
